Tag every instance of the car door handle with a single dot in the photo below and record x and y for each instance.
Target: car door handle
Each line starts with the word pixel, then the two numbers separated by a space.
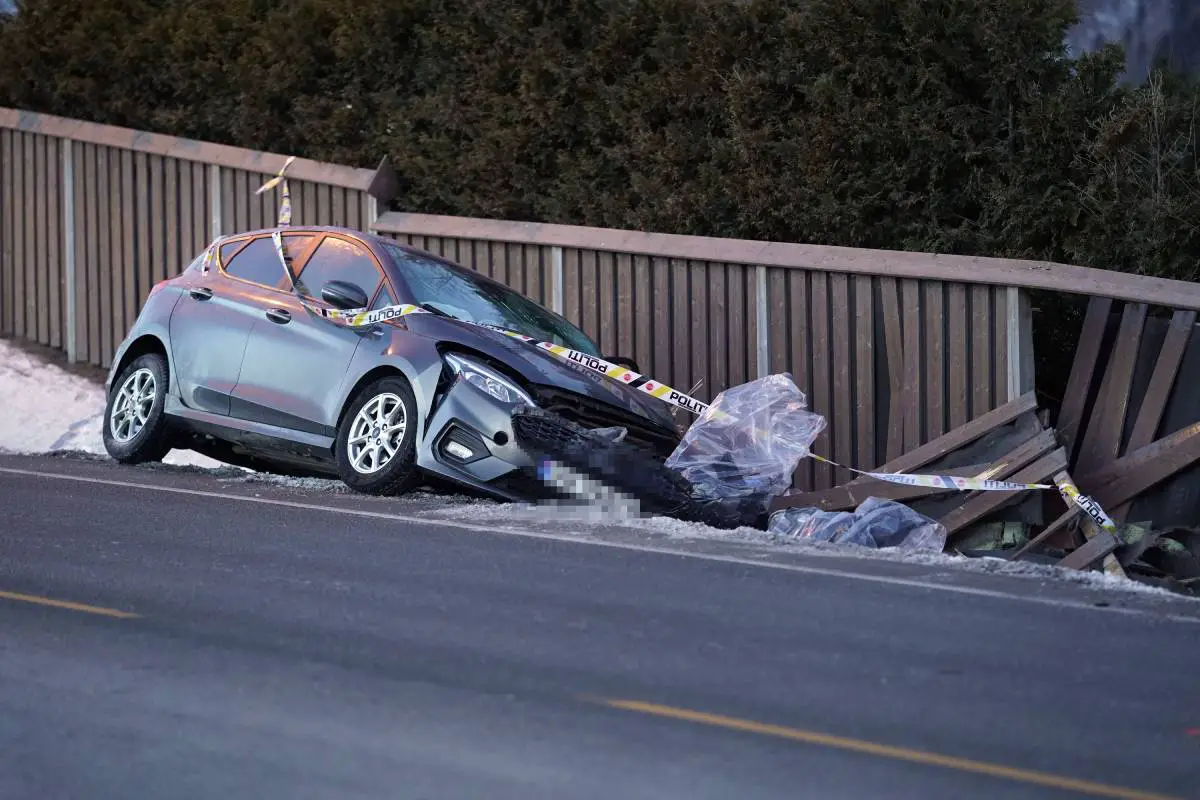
pixel 201 292
pixel 279 315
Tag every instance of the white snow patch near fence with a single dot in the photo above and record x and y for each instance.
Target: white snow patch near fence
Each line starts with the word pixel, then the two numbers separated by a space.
pixel 587 522
pixel 44 408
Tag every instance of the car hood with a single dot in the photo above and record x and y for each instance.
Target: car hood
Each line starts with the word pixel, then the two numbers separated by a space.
pixel 538 366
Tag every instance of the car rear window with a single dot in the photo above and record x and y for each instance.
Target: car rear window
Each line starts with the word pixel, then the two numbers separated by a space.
pixel 337 259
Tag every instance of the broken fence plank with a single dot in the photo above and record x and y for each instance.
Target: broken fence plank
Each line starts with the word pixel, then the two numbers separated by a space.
pixel 1083 370
pixel 1162 381
pixel 1102 436
pixel 1054 527
pixel 1098 547
pixel 1127 477
pixel 986 502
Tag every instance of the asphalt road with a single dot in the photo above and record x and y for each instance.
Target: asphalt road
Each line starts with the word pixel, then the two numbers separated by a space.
pixel 165 634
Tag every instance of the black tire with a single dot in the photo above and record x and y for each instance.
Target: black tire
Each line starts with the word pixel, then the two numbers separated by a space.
pixel 152 441
pixel 399 474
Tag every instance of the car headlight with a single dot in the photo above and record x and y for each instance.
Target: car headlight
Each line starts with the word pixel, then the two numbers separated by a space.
pixel 488 380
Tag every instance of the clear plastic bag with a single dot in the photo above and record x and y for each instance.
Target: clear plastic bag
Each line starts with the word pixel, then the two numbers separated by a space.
pixel 747 445
pixel 875 523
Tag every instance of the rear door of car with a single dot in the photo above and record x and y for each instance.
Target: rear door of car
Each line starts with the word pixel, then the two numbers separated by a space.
pixel 296 360
pixel 211 323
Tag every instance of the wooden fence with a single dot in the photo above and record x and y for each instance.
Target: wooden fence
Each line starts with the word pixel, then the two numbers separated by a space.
pixel 894 348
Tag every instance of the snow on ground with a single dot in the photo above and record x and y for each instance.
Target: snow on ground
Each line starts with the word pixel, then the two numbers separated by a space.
pixel 45 408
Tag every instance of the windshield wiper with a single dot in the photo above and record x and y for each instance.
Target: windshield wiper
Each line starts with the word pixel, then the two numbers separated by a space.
pixel 432 309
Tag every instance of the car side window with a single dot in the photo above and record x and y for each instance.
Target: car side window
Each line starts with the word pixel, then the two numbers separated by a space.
pixel 258 263
pixel 337 259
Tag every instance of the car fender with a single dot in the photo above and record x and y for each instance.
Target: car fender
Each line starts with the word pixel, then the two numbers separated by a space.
pixel 415 357
pixel 154 321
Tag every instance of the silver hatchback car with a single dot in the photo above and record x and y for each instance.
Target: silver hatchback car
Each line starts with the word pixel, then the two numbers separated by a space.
pixel 232 361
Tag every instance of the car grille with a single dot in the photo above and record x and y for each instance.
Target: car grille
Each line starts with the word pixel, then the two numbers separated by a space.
pixel 590 413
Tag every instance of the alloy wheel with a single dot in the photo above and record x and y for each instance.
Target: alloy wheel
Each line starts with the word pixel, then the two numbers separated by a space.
pixel 376 433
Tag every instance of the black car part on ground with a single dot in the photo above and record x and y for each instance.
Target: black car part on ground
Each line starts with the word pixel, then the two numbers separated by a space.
pixel 626 467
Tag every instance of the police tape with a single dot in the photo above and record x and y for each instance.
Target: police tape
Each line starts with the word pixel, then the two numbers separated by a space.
pixel 1090 507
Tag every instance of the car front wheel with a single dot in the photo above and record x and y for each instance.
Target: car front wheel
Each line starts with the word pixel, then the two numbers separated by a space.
pixel 135 428
pixel 376 440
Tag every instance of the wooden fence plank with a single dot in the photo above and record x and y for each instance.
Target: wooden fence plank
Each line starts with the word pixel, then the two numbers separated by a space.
pixel 40 261
pixel 894 349
pixel 913 388
pixel 7 214
pixel 841 336
pixel 158 205
pixel 571 288
pixel 981 349
pixel 128 214
pixel 718 341
pixel 1084 368
pixel 865 399
pixel 664 326
pixel 83 202
pixel 54 242
pixel 999 381
pixel 141 217
pixel 958 398
pixel 934 308
pixel 738 319
pixel 822 378
pixel 28 241
pixel 646 310
pixel 800 357
pixel 1102 438
pixel 698 310
pixel 94 255
pixel 986 502
pixel 104 256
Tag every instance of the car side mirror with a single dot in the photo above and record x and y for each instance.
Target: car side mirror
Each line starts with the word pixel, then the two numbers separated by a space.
pixel 344 295
pixel 628 363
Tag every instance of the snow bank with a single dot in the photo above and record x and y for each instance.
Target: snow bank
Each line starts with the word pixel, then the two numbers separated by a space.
pixel 45 408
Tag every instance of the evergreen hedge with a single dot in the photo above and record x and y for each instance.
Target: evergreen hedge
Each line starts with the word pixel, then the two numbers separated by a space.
pixel 958 126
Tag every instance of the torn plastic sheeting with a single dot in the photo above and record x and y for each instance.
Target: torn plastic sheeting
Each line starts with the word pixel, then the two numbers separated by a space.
pixel 875 523
pixel 746 446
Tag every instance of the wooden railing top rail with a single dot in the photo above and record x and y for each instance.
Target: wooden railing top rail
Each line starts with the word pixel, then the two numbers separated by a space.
pixel 187 149
pixel 890 263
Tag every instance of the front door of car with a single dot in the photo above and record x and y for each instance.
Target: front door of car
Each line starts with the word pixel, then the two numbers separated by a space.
pixel 211 323
pixel 296 360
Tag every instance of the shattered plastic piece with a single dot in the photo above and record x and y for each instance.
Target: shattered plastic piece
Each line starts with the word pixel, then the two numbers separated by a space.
pixel 614 434
pixel 875 523
pixel 748 453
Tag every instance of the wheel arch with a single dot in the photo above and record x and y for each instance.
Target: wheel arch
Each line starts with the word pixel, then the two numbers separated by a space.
pixel 146 343
pixel 365 380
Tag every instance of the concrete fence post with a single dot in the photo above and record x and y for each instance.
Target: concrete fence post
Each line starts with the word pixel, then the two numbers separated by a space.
pixel 69 281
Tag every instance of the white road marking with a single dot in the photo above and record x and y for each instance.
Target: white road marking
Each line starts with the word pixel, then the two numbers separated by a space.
pixel 642 548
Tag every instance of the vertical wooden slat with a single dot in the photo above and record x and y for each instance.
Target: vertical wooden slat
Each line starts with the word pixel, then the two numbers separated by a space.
pixel 957 379
pixel 202 231
pixel 865 400
pixel 129 225
pixel 1102 438
pixel 644 310
pixel 83 202
pixel 800 349
pixel 92 288
pixel 624 304
pixel 41 264
pixel 231 202
pixel 7 211
pixel 718 340
pixel 664 331
pixel 737 315
pixel 337 210
pixel 841 329
pixel 1083 372
pixel 698 308
pixel 893 330
pixel 822 378
pixel 171 215
pixel 325 215
pixel 54 240
pixel 935 360
pixel 142 225
pixel 911 296
pixel 981 350
pixel 255 204
pixel 588 289
pixel 531 266
pixel 778 322
pixel 158 206
pixel 683 327
pixel 607 290
pixel 116 319
pixel 104 259
pixel 17 161
pixel 29 241
pixel 186 212
pixel 1000 346
pixel 571 281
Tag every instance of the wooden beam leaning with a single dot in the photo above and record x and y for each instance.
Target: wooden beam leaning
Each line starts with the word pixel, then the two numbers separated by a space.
pixel 986 502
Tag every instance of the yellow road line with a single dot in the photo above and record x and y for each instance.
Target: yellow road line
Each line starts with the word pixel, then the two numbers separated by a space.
pixel 887 751
pixel 67 604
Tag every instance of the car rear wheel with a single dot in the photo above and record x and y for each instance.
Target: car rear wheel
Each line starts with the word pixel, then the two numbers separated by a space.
pixel 376 441
pixel 136 430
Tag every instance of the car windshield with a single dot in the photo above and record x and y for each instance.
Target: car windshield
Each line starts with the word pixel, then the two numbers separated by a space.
pixel 456 293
